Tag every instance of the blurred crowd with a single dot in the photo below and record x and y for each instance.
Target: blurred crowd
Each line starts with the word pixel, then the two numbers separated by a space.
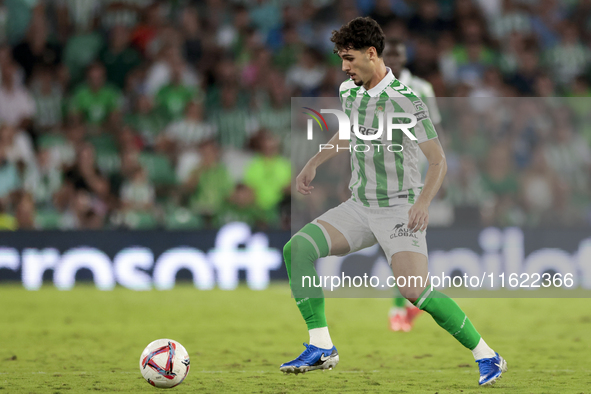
pixel 176 114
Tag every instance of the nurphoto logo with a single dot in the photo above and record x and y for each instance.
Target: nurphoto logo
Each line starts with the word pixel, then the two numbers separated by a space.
pixel 364 133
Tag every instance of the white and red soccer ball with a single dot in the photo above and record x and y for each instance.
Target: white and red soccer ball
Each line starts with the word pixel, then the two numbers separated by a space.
pixel 164 363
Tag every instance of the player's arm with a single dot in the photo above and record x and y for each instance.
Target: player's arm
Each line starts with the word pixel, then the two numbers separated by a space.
pixel 418 215
pixel 308 173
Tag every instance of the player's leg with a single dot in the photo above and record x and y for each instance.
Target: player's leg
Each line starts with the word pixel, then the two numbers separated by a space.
pixel 312 242
pixel 316 240
pixel 445 311
pixel 402 313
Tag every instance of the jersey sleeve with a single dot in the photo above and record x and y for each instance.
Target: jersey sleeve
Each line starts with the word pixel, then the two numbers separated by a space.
pixel 424 130
pixel 432 103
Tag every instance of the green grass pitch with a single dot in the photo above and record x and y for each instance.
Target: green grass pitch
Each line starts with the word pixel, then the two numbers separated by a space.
pixel 87 340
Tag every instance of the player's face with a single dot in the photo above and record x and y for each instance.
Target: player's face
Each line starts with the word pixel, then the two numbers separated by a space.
pixel 357 65
pixel 395 58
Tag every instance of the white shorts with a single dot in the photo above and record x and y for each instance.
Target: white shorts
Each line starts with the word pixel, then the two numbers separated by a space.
pixel 363 227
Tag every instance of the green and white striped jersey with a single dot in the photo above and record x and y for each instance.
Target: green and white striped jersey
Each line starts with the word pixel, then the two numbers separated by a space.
pixel 379 176
pixel 424 90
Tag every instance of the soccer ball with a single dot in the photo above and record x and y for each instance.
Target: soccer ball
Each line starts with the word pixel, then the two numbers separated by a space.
pixel 164 363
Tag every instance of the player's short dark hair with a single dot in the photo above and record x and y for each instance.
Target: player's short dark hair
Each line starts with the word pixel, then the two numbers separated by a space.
pixel 360 33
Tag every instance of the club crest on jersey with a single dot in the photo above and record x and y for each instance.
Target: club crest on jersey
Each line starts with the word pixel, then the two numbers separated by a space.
pixel 379 109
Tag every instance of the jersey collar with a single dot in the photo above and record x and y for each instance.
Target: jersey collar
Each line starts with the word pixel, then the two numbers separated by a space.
pixel 384 83
pixel 405 77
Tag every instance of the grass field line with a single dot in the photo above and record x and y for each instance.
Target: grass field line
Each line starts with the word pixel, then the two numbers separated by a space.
pixel 57 374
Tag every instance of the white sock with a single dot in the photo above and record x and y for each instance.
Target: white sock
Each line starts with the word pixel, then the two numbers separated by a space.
pixel 482 350
pixel 320 337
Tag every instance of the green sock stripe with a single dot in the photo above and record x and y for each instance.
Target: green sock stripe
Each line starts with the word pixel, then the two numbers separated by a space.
pixel 423 297
pixel 309 239
pixel 316 237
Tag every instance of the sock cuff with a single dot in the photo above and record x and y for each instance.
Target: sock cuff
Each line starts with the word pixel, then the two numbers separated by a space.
pixel 314 234
pixel 421 302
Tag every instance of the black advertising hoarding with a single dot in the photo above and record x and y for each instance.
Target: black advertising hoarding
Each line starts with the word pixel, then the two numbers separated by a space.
pixel 143 260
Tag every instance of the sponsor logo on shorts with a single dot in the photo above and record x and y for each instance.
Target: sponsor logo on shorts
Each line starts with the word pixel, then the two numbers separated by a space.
pixel 415 243
pixel 401 231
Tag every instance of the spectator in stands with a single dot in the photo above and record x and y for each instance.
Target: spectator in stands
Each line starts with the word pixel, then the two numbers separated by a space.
pixel 428 22
pixel 137 192
pixel 306 76
pixel 83 47
pixel 466 188
pixel 148 122
pixel 546 20
pixel 9 178
pixel 63 151
pixel 568 154
pixel 119 57
pixel 172 99
pixel 268 174
pixel 274 110
pixel 95 100
pixel 144 34
pixel 191 30
pixel 17 107
pixel 500 180
pixel 49 100
pixel 527 71
pixel 233 122
pixel 568 58
pixel 513 18
pixel 382 12
pixel 538 186
pixel 5 59
pixel 25 212
pixel 84 212
pixel 210 184
pixel 84 174
pixel 43 180
pixel 170 61
pixel 241 207
pixel 468 60
pixel 126 13
pixel 186 134
pixel 36 50
pixel 18 145
pixel 544 86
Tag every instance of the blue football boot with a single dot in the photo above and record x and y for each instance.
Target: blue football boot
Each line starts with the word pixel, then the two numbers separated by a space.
pixel 491 369
pixel 311 359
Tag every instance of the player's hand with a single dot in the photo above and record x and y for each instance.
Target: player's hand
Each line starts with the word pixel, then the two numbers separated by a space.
pixel 304 179
pixel 418 216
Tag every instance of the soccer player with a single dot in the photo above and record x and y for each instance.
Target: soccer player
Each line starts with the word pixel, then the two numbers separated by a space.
pixel 402 313
pixel 387 198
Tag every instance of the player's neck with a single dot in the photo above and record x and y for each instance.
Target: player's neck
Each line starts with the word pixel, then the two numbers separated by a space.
pixel 379 74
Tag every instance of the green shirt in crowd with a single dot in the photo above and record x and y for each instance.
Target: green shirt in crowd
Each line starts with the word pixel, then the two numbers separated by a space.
pixel 268 177
pixel 172 100
pixel 95 106
pixel 213 189
pixel 118 65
